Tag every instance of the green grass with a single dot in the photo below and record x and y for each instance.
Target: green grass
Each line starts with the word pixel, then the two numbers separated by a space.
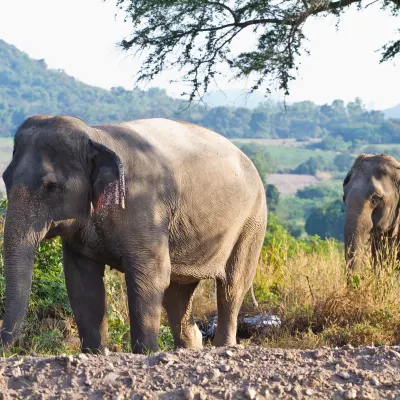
pixel 291 157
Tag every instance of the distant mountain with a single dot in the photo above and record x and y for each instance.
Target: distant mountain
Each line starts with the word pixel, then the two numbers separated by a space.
pixel 28 87
pixel 393 112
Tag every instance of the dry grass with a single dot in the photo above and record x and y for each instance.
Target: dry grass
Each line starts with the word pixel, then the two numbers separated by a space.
pixel 317 306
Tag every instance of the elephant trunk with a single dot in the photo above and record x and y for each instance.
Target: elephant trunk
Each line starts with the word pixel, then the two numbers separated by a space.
pixel 20 243
pixel 358 226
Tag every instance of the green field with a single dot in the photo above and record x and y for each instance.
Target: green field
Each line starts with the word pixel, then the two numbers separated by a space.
pixel 291 157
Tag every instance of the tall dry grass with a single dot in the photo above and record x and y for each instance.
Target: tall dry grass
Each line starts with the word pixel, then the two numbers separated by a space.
pixel 309 291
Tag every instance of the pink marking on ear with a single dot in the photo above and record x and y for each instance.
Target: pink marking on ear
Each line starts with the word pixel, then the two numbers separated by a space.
pixel 100 202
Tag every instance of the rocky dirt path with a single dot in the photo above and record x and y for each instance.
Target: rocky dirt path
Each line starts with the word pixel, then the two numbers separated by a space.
pixel 220 373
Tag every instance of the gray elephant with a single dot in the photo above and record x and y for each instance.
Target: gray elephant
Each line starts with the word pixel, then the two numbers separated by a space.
pixel 372 197
pixel 167 203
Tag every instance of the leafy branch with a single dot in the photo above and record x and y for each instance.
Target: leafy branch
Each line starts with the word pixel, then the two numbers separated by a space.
pixel 195 37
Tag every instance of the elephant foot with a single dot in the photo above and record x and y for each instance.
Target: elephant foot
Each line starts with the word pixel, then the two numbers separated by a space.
pixel 191 338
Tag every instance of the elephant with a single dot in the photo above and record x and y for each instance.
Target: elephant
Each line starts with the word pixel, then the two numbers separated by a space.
pixel 167 203
pixel 372 198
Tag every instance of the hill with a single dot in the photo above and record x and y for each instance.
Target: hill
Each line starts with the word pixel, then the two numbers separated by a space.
pixel 393 112
pixel 29 87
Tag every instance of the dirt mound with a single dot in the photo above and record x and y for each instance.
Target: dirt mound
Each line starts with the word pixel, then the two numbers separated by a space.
pixel 223 373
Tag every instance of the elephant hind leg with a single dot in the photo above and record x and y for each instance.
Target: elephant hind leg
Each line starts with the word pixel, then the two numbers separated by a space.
pixel 178 303
pixel 240 271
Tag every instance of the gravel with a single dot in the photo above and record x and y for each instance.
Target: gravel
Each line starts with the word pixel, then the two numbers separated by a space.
pixel 213 373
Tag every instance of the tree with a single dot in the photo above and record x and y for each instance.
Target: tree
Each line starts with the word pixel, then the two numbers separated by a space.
pixel 327 221
pixel 343 162
pixel 196 36
pixel 272 193
pixel 308 167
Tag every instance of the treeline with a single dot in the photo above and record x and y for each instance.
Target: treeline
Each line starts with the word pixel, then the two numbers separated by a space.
pixel 28 87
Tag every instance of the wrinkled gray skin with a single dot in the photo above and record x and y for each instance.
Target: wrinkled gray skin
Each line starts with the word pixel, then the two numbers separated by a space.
pixel 195 209
pixel 371 194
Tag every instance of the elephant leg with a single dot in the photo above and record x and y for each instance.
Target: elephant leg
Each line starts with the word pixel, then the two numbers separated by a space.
pixel 240 272
pixel 86 292
pixel 145 284
pixel 178 302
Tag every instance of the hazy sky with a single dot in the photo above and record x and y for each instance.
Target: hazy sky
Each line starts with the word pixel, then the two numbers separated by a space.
pixel 80 37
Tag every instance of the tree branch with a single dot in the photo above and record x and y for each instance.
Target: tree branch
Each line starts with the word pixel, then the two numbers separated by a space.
pixel 214 3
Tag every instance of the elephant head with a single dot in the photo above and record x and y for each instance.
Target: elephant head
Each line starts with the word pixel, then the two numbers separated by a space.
pixel 371 194
pixel 57 171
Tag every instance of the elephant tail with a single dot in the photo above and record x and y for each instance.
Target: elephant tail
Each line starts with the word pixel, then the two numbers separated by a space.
pixel 253 297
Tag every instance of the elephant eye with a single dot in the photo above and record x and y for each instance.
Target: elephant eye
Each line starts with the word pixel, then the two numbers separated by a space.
pixel 52 187
pixel 376 200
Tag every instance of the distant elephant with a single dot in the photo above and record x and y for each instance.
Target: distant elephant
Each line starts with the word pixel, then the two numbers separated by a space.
pixel 372 197
pixel 167 203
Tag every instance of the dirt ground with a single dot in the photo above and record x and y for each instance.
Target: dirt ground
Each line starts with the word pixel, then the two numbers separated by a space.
pixel 288 184
pixel 213 373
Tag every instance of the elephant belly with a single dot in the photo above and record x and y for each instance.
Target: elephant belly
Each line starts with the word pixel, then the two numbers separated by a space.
pixel 193 260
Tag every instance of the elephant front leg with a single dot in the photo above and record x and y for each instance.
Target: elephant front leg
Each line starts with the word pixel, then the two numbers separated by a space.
pixel 86 292
pixel 145 284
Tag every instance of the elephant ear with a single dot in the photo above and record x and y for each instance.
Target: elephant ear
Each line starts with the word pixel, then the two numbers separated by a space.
pixel 107 177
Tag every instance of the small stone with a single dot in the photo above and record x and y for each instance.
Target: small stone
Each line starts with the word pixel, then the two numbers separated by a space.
pixel 288 388
pixel 83 357
pixel 350 394
pixel 16 372
pixel 215 374
pixel 110 378
pixel 188 393
pixel 106 351
pixel 70 358
pixel 309 392
pixel 318 354
pixel 394 353
pixel 344 375
pixel 166 358
pixel 246 356
pixel 230 353
pixel 375 381
pixel 88 382
pixel 204 381
pixel 202 396
pixel 250 393
pixel 289 356
pixel 366 395
pixel 347 347
pixel 225 368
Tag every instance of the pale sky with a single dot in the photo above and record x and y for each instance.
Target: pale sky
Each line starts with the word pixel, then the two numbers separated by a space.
pixel 80 37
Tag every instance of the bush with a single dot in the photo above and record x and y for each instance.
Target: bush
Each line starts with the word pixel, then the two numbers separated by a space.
pixel 330 143
pixel 327 221
pixel 309 167
pixel 320 192
pixel 272 194
pixel 343 162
